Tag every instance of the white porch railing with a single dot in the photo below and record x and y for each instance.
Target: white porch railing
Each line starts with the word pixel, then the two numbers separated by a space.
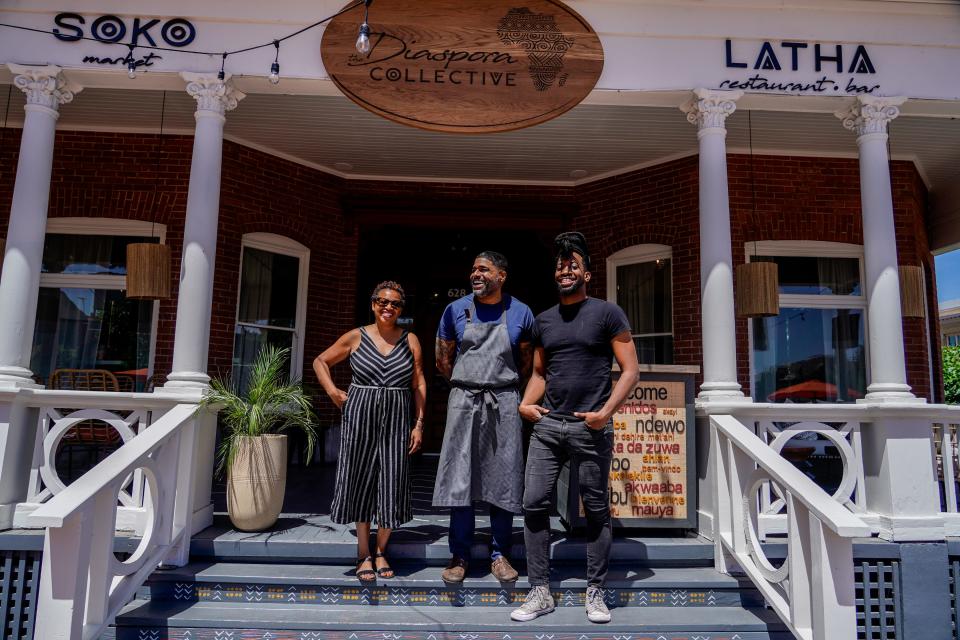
pixel 813 590
pixel 843 427
pixel 82 583
pixel 115 416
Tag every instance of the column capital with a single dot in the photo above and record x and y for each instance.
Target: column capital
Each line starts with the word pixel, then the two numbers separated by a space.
pixel 709 108
pixel 45 86
pixel 211 93
pixel 870 114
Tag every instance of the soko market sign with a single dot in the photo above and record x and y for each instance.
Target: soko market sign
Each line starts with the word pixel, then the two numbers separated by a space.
pixel 476 66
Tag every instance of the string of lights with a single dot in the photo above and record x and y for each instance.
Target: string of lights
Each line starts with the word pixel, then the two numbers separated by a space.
pixel 363 42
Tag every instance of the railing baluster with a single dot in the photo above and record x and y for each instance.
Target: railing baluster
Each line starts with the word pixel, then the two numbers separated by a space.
pixel 63 579
pixel 101 531
pixel 799 556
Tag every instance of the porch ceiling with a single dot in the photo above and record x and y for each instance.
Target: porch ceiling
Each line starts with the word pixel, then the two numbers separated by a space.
pixel 599 139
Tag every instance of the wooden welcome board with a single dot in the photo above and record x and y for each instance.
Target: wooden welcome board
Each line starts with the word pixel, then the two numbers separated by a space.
pixel 476 66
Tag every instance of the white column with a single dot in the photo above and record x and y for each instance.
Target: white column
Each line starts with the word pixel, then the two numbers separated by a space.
pixel 46 89
pixel 192 337
pixel 868 117
pixel 709 110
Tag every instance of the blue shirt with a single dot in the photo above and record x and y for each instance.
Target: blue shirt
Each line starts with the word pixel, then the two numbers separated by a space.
pixel 519 320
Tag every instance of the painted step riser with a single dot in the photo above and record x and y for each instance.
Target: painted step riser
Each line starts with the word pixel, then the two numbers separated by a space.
pixel 459 597
pixel 588 633
pixel 438 559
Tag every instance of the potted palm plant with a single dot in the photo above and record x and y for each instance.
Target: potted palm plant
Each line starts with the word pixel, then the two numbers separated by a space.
pixel 253 450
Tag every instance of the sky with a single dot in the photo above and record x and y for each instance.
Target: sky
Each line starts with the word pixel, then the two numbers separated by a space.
pixel 948 276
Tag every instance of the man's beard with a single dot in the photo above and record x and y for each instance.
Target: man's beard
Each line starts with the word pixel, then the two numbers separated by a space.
pixel 571 288
pixel 489 287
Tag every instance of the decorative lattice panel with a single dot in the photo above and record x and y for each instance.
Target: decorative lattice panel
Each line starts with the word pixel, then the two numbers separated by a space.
pixel 879 616
pixel 19 579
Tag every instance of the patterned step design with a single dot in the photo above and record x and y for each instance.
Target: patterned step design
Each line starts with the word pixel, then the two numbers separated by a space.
pixel 420 586
pixel 261 601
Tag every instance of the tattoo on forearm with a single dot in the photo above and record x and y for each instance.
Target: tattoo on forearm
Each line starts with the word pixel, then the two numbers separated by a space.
pixel 445 352
pixel 526 360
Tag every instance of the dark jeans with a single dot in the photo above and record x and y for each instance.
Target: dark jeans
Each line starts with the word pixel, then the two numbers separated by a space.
pixel 556 440
pixel 462 523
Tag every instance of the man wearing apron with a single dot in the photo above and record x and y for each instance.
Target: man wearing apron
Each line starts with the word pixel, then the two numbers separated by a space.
pixel 482 342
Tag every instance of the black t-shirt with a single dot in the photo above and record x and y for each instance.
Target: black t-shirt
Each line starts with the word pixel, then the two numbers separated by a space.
pixel 576 344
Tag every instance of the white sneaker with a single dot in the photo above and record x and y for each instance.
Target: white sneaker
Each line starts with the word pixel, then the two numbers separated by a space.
pixel 596 608
pixel 539 602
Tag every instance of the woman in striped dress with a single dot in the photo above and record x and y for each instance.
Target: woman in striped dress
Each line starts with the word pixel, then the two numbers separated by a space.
pixel 378 433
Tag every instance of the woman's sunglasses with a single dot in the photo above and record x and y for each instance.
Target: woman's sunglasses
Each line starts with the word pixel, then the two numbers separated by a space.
pixel 383 302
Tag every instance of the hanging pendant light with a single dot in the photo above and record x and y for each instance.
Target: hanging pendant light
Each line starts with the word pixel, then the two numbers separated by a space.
pixel 757 294
pixel 911 292
pixel 148 263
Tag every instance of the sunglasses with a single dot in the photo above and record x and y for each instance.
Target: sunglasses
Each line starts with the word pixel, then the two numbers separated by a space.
pixel 383 302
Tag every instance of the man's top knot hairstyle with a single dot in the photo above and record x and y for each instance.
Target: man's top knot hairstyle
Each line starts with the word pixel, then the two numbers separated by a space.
pixel 570 242
pixel 388 284
pixel 498 259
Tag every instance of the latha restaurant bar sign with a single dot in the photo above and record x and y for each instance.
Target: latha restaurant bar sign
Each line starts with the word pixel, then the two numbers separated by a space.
pixel 468 67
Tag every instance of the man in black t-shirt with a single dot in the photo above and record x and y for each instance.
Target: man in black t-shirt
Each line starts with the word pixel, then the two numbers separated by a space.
pixel 575 343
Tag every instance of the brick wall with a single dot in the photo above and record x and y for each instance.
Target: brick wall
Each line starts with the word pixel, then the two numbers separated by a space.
pixel 797 198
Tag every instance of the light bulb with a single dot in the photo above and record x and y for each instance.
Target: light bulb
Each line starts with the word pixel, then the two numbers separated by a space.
pixel 131 69
pixel 363 41
pixel 274 73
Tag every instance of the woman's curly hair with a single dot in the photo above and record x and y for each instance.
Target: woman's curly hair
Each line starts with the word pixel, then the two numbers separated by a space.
pixel 388 284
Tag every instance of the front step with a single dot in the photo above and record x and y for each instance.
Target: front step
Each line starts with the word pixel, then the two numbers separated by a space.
pixel 270 584
pixel 245 601
pixel 164 620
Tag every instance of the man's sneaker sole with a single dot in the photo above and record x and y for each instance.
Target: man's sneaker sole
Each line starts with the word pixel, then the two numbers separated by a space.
pixel 519 616
pixel 598 619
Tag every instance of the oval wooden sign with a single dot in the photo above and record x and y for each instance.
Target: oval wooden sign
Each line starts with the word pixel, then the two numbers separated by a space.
pixel 465 66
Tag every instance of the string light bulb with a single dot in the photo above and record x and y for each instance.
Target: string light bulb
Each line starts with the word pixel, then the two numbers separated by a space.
pixel 221 76
pixel 274 76
pixel 131 64
pixel 363 40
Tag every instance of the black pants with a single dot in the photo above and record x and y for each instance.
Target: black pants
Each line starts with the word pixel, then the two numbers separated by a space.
pixel 554 441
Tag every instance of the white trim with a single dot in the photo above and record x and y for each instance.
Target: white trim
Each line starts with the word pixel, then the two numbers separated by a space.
pixel 282 245
pixel 804 248
pixel 107 227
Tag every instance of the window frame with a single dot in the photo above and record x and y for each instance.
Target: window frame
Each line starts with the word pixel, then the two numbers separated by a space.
pixel 282 245
pixel 811 249
pixel 104 227
pixel 640 254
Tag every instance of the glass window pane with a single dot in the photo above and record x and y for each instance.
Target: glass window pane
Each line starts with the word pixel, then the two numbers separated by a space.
pixel 87 254
pixel 817 276
pixel 809 355
pixel 247 344
pixel 268 288
pixel 93 329
pixel 644 293
pixel 654 349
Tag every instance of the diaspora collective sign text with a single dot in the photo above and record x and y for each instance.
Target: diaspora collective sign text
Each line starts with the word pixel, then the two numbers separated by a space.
pixel 468 67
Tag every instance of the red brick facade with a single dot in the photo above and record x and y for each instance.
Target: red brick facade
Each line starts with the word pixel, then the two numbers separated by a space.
pixel 131 176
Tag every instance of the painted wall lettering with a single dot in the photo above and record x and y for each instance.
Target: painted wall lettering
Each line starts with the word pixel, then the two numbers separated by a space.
pixel 175 32
pixel 787 66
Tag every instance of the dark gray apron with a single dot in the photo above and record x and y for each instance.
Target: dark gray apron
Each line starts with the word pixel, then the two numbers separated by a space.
pixel 482 454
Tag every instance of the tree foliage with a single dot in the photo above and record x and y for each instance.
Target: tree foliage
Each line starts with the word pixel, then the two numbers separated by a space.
pixel 951 374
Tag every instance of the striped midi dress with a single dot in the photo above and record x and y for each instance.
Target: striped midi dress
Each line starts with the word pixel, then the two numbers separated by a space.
pixel 373 478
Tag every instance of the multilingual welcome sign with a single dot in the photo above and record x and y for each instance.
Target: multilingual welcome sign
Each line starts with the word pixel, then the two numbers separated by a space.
pixel 466 67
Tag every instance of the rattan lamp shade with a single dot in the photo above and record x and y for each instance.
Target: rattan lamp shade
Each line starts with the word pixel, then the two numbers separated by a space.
pixel 911 292
pixel 148 271
pixel 757 294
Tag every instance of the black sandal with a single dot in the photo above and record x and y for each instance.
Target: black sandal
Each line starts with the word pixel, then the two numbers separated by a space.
pixel 383 571
pixel 366 575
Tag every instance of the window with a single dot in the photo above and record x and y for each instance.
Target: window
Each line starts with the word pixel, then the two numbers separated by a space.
pixel 815 349
pixel 639 280
pixel 270 306
pixel 84 319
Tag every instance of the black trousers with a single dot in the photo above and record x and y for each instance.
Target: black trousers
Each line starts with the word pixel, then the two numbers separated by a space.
pixel 554 441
